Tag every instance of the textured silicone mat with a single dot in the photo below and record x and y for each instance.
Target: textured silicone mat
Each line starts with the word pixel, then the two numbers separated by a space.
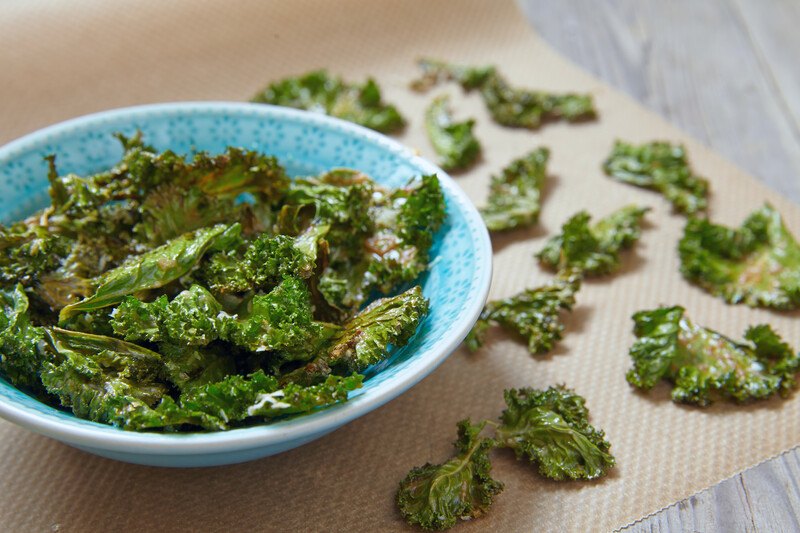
pixel 61 60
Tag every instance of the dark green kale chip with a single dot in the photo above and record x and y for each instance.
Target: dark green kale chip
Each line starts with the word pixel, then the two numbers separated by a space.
pixel 509 106
pixel 515 195
pixel 593 250
pixel 454 142
pixel 702 364
pixel 534 314
pixel 551 428
pixel 436 496
pixel 757 264
pixel 660 166
pixel 319 91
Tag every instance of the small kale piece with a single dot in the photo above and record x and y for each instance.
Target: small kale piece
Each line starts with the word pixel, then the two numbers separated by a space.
pixel 216 406
pixel 319 91
pixel 263 262
pixel 101 378
pixel 533 314
pixel 435 497
pixel 660 166
pixel 281 321
pixel 509 106
pixel 193 317
pixel 757 264
pixel 524 108
pixel 28 252
pixel 593 250
pixel 552 428
pixel 454 142
pixel 701 362
pixel 365 339
pixel 153 269
pixel 515 195
pixel 21 343
pixel 406 221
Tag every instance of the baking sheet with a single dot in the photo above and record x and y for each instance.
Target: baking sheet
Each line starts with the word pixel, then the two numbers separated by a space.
pixel 61 60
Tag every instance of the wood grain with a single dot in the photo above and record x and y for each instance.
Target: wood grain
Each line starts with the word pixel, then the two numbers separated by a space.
pixel 727 72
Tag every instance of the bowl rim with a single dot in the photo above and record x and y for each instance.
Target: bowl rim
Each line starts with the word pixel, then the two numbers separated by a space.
pixel 307 427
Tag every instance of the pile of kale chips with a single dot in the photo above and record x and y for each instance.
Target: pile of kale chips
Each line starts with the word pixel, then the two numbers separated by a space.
pixel 210 292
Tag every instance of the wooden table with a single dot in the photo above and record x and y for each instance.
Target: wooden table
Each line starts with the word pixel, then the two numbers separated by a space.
pixel 727 72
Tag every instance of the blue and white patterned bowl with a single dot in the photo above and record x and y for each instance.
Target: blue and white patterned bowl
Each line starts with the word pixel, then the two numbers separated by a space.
pixel 305 143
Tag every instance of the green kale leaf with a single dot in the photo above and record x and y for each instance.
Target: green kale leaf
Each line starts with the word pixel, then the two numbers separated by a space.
pixel 101 378
pixel 152 269
pixel 757 264
pixel 660 166
pixel 701 362
pixel 282 321
pixel 193 317
pixel 552 428
pixel 437 496
pixel 593 250
pixel 21 343
pixel 515 195
pixel 533 314
pixel 454 142
pixel 216 406
pixel 366 338
pixel 509 106
pixel 320 92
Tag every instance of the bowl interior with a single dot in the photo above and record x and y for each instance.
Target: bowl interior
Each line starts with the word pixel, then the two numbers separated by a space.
pixel 305 144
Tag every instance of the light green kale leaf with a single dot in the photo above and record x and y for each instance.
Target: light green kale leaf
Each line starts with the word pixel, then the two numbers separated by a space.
pixel 281 321
pixel 153 269
pixel 235 399
pixel 533 314
pixel 757 264
pixel 660 166
pixel 101 378
pixel 365 339
pixel 454 142
pixel 509 106
pixel 319 91
pixel 515 195
pixel 702 363
pixel 193 317
pixel 22 350
pixel 551 428
pixel 593 250
pixel 436 496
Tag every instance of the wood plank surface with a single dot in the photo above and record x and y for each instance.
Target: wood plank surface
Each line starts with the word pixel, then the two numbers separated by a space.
pixel 727 72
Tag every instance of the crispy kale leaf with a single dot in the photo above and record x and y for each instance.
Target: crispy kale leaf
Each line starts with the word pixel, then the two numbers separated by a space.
pixel 533 314
pixel 101 378
pixel 365 339
pixel 193 317
pixel 281 321
pixel 218 406
pixel 757 264
pixel 319 91
pixel 660 166
pixel 454 142
pixel 515 195
pixel 21 343
pixel 262 263
pixel 437 496
pixel 593 249
pixel 701 362
pixel 152 269
pixel 509 106
pixel 552 428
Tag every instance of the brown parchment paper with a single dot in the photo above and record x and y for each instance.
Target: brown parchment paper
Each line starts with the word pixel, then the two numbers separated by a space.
pixel 63 59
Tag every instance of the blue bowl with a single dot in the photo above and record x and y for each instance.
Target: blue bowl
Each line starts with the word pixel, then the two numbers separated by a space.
pixel 305 143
